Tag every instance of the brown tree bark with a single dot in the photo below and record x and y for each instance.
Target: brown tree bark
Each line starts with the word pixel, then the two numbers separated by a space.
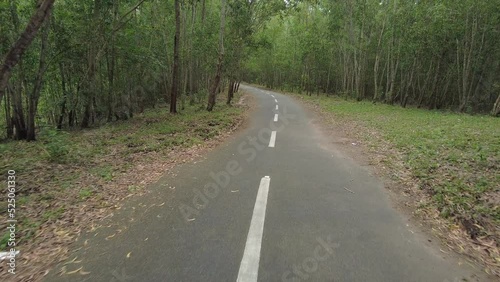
pixel 16 100
pixel 203 11
pixel 213 91
pixel 496 108
pixel 230 91
pixel 65 97
pixel 377 63
pixel 15 53
pixel 37 89
pixel 175 73
pixel 8 119
pixel 191 57
pixel 93 60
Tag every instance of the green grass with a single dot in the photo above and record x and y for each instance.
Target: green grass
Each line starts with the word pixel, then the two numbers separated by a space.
pixel 4 240
pixel 455 157
pixel 85 193
pixel 104 171
pixel 53 214
pixel 154 130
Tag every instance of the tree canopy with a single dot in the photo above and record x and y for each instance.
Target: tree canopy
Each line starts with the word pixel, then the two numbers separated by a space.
pixel 103 60
pixel 432 54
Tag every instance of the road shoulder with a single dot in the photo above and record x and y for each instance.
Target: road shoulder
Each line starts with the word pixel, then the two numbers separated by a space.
pixel 349 138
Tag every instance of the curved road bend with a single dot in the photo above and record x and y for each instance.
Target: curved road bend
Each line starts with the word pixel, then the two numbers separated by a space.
pixel 270 205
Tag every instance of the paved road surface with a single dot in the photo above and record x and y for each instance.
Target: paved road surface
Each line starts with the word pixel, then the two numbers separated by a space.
pixel 270 205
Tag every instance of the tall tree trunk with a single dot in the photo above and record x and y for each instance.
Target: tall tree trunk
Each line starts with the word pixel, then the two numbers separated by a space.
pixel 37 89
pixel 176 73
pixel 90 89
pixel 496 108
pixel 65 97
pixel 111 63
pixel 377 63
pixel 230 91
pixel 18 119
pixel 218 73
pixel 191 57
pixel 203 11
pixel 8 118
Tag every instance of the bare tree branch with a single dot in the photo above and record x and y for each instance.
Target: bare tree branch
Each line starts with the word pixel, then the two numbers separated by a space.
pixel 121 21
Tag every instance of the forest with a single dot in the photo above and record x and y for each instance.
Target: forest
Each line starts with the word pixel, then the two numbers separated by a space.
pixel 80 64
pixel 69 65
pixel 428 54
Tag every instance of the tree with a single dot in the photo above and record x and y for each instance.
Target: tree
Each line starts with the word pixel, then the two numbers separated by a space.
pixel 429 54
pixel 175 73
pixel 218 72
pixel 105 60
pixel 14 55
pixel 38 84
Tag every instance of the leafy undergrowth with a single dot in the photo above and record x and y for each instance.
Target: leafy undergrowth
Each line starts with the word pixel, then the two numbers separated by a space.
pixel 66 181
pixel 453 158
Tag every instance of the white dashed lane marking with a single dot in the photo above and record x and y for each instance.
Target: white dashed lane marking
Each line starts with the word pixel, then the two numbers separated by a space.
pixel 273 139
pixel 249 267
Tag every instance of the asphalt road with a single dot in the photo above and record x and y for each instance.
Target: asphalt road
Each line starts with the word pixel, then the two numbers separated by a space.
pixel 271 204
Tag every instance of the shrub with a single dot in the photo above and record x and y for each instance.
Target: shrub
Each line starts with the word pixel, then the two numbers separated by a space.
pixel 55 144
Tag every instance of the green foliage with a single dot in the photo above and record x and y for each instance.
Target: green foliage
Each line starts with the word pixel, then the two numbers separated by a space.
pixel 56 145
pixel 107 60
pixel 4 240
pixel 105 172
pixel 53 214
pixel 154 130
pixel 442 54
pixel 85 193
